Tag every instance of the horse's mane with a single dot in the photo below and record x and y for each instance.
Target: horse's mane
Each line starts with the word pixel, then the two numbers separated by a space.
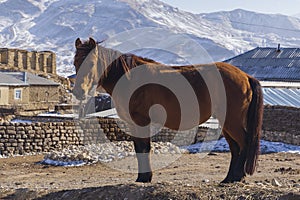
pixel 121 62
pixel 134 60
pixel 114 61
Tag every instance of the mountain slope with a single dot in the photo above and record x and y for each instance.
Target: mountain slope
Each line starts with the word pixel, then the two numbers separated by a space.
pixel 60 22
pixel 54 25
pixel 237 30
pixel 297 15
pixel 267 29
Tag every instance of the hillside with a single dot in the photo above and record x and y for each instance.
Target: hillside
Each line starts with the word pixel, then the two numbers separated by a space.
pixel 54 25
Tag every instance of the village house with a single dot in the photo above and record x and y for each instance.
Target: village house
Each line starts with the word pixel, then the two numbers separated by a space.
pixel 278 70
pixel 29 83
pixel 27 93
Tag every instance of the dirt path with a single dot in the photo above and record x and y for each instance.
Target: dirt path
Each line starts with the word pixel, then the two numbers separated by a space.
pixel 189 177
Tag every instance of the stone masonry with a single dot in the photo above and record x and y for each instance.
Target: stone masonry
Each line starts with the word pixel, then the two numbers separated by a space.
pixel 42 62
pixel 280 124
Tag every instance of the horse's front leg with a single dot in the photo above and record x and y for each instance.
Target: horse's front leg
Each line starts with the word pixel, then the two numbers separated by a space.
pixel 142 148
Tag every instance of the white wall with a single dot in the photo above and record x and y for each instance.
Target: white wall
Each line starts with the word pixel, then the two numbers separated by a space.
pixel 4 95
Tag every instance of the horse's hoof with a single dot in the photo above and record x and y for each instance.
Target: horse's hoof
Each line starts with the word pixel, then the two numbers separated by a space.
pixel 144 177
pixel 225 181
pixel 232 180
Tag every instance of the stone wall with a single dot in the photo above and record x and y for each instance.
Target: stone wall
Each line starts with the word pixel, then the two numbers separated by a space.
pixel 280 124
pixel 21 138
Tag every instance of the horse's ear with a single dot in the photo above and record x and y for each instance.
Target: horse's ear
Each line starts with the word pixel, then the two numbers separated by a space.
pixel 92 43
pixel 78 42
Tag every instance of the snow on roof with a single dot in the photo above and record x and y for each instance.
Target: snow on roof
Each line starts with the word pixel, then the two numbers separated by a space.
pixel 23 78
pixel 280 84
pixel 282 96
pixel 6 80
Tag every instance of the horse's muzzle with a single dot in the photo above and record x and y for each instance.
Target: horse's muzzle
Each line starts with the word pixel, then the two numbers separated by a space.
pixel 79 94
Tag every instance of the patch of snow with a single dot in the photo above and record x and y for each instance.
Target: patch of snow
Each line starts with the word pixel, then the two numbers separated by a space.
pixel 222 146
pixel 110 151
pixel 280 84
pixel 62 163
pixel 71 116
pixel 277 147
pixel 21 121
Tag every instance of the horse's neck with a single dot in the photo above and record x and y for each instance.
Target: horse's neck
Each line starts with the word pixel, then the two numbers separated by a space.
pixel 106 57
pixel 118 65
pixel 115 71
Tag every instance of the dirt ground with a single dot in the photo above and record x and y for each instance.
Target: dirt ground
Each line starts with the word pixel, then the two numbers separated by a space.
pixel 189 177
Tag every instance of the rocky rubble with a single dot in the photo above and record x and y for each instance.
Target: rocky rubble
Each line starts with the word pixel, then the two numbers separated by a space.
pixel 104 152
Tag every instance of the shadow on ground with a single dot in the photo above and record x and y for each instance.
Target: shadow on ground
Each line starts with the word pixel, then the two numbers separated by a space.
pixel 151 191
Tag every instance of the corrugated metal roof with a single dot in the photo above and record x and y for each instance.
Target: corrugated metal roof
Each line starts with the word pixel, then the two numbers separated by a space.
pixel 282 97
pixel 17 78
pixel 270 64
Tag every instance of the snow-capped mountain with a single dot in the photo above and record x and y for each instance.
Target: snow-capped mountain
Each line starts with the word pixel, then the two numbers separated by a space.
pixel 54 25
pixel 297 15
pixel 258 29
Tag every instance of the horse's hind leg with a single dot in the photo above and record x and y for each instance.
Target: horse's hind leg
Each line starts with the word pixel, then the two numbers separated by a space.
pixel 234 149
pixel 238 157
pixel 142 149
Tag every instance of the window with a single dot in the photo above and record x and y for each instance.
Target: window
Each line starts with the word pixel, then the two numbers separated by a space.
pixel 18 94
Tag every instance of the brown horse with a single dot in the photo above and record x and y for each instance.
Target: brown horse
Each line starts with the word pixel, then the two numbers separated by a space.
pixel 241 101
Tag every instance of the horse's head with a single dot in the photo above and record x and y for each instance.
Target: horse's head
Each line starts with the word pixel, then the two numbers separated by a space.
pixel 86 63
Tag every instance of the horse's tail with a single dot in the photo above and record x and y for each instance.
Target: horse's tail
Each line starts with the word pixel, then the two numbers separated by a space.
pixel 254 125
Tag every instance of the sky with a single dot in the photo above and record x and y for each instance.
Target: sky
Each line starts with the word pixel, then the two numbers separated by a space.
pixel 286 7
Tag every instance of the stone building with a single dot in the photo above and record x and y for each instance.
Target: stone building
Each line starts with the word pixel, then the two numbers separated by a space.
pixel 42 62
pixel 27 93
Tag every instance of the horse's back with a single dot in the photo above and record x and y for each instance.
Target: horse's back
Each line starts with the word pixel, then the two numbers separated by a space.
pixel 215 85
pixel 228 87
pixel 238 94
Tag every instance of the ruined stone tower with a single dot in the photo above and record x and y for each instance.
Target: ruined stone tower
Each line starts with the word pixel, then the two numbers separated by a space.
pixel 42 62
